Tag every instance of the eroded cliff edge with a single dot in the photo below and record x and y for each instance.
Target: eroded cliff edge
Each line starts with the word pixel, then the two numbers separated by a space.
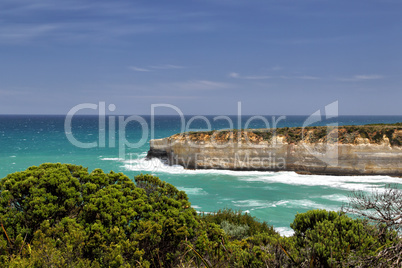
pixel 345 150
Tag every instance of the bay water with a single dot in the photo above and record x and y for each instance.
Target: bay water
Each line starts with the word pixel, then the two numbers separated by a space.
pixel 122 144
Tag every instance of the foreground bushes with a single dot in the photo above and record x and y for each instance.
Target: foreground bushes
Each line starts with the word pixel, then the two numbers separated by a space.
pixel 58 215
pixel 78 218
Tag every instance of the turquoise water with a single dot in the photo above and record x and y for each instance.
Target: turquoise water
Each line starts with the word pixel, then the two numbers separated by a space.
pixel 272 197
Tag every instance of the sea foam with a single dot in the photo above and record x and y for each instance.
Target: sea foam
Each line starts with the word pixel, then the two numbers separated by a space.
pixel 192 191
pixel 285 231
pixel 364 183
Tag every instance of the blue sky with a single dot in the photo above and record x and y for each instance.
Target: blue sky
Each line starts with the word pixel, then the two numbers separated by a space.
pixel 274 56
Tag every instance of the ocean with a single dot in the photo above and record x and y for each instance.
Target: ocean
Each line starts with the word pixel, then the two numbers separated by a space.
pixel 120 143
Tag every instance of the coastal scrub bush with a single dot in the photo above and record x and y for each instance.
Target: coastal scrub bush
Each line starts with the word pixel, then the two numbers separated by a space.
pixel 170 220
pixel 61 209
pixel 61 215
pixel 76 218
pixel 384 209
pixel 330 238
pixel 343 134
pixel 234 230
pixel 236 217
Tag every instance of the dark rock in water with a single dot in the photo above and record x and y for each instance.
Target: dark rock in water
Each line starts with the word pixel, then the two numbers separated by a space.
pixel 157 153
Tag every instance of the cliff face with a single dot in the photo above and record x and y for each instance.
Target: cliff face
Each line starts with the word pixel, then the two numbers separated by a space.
pixel 343 151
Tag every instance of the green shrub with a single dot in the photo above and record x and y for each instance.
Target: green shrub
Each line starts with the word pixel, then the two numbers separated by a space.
pixel 238 218
pixel 75 217
pixel 330 238
pixel 234 230
pixel 60 215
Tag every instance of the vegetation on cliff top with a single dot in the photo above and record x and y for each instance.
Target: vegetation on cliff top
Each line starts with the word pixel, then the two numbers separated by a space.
pixel 374 134
pixel 60 215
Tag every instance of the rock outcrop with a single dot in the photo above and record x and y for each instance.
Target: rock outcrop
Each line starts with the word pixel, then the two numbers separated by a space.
pixel 347 150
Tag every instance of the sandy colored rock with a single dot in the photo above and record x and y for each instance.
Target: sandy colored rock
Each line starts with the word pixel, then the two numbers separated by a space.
pixel 342 153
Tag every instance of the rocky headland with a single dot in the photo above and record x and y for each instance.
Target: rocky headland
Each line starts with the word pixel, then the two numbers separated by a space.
pixel 343 150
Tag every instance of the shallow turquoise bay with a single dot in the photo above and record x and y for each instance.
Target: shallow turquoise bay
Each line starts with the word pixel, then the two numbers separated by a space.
pixel 272 197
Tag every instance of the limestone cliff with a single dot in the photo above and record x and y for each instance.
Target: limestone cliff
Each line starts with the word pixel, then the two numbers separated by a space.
pixel 346 150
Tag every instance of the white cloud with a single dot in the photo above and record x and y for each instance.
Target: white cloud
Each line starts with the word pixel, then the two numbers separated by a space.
pixel 200 85
pixel 307 77
pixel 100 21
pixel 257 77
pixel 263 77
pixel 362 78
pixel 368 77
pixel 249 77
pixel 15 33
pixel 156 67
pixel 138 69
pixel 234 75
